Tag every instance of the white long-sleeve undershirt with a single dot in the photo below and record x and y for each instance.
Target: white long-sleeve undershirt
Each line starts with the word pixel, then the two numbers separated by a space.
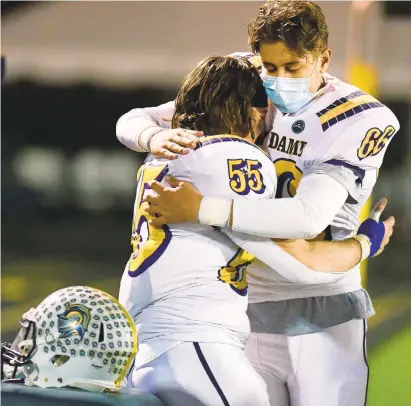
pixel 280 261
pixel 135 128
pixel 319 197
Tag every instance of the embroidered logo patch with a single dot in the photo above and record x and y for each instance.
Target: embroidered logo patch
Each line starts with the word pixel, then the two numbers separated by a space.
pixel 298 126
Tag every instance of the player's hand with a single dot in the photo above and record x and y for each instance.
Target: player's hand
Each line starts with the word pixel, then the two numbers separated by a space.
pixel 173 142
pixel 378 233
pixel 176 204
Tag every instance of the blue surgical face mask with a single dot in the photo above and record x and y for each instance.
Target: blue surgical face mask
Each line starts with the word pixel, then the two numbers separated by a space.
pixel 288 94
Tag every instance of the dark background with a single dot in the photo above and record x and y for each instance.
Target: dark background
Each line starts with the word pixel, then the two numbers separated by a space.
pixel 67 192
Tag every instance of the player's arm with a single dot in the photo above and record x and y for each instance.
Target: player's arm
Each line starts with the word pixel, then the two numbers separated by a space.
pixel 293 265
pixel 296 260
pixel 325 256
pixel 148 130
pixel 318 199
pixel 341 256
pixel 135 128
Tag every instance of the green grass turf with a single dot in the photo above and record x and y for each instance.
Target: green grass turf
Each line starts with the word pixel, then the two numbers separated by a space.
pixel 390 372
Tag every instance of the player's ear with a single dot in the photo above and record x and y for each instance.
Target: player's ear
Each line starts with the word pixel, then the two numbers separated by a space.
pixel 325 60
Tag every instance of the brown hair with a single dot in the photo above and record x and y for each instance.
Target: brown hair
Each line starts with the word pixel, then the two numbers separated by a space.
pixel 299 24
pixel 216 97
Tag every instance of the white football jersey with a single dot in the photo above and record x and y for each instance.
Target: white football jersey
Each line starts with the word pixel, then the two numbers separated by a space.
pixel 344 133
pixel 188 282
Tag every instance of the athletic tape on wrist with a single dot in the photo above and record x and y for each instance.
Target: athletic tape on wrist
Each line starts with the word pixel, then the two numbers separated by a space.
pixel 375 215
pixel 365 245
pixel 214 211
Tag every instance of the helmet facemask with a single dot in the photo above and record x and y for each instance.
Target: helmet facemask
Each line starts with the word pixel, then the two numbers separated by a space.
pixel 19 353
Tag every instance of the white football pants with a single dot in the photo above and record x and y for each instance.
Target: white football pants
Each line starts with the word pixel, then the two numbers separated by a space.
pixel 199 374
pixel 328 368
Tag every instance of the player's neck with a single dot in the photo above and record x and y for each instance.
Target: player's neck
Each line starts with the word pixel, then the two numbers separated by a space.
pixel 322 84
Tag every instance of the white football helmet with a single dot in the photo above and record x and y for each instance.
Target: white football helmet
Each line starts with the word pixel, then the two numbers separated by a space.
pixel 76 334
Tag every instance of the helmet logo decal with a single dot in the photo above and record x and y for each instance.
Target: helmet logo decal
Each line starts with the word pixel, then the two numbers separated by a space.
pixel 74 321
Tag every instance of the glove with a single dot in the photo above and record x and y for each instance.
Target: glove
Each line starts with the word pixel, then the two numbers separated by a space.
pixel 373 231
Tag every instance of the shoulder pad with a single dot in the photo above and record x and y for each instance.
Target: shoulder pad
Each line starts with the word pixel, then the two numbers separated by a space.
pixel 346 107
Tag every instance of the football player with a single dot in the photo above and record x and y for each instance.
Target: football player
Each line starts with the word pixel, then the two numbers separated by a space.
pixel 185 285
pixel 327 140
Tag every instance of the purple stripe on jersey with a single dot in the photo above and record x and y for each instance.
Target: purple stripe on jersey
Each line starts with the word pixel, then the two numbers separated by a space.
pixel 156 254
pixel 162 174
pixel 357 171
pixel 223 139
pixel 164 244
pixel 356 110
pixel 341 101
